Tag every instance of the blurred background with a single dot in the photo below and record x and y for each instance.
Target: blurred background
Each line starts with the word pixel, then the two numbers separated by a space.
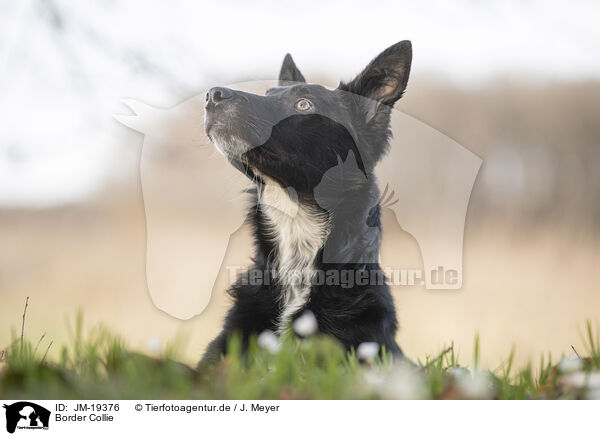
pixel 517 83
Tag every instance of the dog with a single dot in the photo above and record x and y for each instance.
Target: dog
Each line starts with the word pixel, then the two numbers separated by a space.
pixel 311 153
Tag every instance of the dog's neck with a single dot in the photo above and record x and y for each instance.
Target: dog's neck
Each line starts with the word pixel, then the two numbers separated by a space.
pixel 306 237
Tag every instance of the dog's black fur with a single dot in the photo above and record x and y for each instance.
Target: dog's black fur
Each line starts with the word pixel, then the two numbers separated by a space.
pixel 301 136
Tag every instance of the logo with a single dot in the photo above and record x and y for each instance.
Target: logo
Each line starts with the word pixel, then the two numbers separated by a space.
pixel 26 415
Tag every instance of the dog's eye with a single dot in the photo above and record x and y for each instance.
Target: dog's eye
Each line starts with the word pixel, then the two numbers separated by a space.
pixel 304 105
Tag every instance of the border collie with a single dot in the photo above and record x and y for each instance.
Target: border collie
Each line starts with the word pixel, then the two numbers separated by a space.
pixel 311 153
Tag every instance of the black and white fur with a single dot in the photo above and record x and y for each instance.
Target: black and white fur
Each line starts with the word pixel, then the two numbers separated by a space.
pixel 297 143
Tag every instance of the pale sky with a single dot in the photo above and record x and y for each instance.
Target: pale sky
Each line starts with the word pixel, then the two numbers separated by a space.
pixel 64 69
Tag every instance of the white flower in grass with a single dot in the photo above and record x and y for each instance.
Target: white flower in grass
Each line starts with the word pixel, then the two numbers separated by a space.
pixel 478 386
pixel 457 372
pixel 574 380
pixel 405 383
pixel 367 351
pixel 569 364
pixel 306 324
pixel 269 341
pixel 374 379
pixel 594 380
pixel 154 345
pixel 580 380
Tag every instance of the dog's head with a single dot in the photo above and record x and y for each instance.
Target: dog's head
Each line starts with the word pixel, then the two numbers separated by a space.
pixel 298 131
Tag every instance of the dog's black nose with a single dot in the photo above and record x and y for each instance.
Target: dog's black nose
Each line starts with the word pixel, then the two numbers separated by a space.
pixel 217 95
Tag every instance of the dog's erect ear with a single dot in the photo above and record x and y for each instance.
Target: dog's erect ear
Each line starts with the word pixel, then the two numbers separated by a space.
pixel 384 79
pixel 289 72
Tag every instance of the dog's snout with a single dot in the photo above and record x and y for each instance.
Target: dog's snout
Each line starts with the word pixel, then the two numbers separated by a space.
pixel 218 95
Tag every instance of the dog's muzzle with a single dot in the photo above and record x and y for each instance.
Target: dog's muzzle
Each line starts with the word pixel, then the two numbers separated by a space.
pixel 217 96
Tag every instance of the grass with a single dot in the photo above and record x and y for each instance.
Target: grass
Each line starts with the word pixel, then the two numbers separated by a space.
pixel 100 365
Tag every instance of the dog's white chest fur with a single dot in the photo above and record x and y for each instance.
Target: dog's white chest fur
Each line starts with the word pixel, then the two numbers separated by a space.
pixel 298 232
